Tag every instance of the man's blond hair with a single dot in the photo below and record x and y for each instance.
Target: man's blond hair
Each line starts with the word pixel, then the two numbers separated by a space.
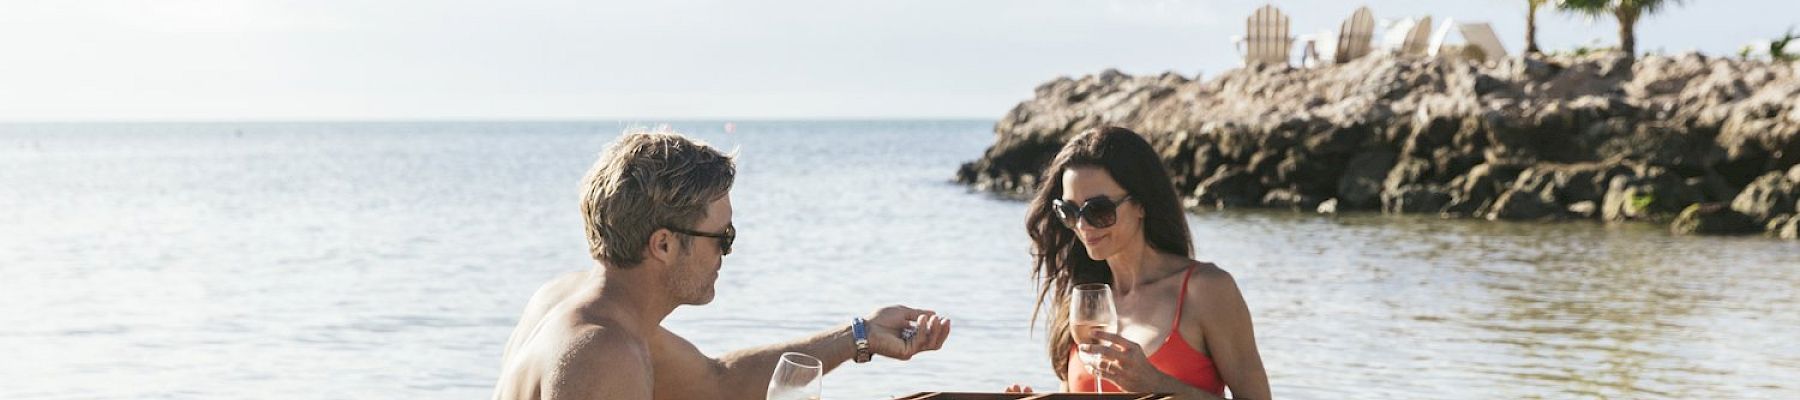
pixel 643 182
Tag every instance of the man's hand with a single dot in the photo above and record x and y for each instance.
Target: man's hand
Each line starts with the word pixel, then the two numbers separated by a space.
pixel 886 327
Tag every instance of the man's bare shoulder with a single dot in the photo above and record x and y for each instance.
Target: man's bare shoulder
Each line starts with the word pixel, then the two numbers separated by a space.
pixel 602 359
pixel 580 357
pixel 544 302
pixel 559 288
pixel 567 347
pixel 603 337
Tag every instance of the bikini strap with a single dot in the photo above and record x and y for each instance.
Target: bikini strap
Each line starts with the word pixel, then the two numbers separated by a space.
pixel 1182 301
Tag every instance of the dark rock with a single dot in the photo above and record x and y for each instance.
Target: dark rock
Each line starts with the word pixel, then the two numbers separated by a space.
pixel 1649 142
pixel 1485 84
pixel 1647 193
pixel 1446 164
pixel 1714 187
pixel 1784 226
pixel 1206 160
pixel 1271 167
pixel 1772 194
pixel 1013 168
pixel 1473 193
pixel 1584 209
pixel 1523 205
pixel 1542 191
pixel 1713 219
pixel 1438 123
pixel 1536 68
pixel 1289 199
pixel 1329 206
pixel 1407 171
pixel 1414 199
pixel 1230 187
pixel 1360 186
pixel 1624 200
pixel 1586 182
pixel 1340 139
pixel 1533 137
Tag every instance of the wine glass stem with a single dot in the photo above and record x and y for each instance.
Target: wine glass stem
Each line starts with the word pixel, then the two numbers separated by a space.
pixel 1099 377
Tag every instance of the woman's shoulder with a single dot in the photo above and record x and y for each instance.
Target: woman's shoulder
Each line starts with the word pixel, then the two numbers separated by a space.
pixel 1211 284
pixel 1209 274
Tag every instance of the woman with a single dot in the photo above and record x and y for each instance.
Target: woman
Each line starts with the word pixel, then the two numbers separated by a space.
pixel 1107 213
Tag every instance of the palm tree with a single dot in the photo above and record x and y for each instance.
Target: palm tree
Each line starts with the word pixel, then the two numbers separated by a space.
pixel 1778 47
pixel 1627 11
pixel 1531 25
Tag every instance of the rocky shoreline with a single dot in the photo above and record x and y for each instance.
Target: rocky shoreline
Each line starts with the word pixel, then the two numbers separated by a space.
pixel 1706 145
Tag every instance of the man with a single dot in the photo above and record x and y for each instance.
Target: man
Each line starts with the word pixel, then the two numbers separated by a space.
pixel 658 216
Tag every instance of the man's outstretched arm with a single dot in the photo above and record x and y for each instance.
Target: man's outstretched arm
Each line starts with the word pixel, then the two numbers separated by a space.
pixel 744 374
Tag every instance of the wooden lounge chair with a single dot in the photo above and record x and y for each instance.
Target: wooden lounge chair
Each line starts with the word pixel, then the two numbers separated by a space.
pixel 1266 40
pixel 1355 36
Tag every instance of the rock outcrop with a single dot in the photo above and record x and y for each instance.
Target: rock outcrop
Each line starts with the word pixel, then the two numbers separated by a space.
pixel 1600 137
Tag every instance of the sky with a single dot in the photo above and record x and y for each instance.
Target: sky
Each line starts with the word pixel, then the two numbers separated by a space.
pixel 204 60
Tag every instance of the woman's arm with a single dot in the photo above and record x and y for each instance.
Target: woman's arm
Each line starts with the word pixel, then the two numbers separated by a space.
pixel 1229 334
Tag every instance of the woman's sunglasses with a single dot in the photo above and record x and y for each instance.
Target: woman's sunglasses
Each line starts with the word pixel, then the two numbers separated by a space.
pixel 1100 212
pixel 725 238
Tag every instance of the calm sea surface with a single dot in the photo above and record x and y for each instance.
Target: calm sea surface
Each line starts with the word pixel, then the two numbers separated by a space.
pixel 391 260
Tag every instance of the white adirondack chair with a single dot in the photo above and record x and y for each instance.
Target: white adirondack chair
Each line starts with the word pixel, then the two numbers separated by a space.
pixel 1267 40
pixel 1393 38
pixel 1354 36
pixel 1417 40
pixel 1317 49
pixel 1439 36
pixel 1481 35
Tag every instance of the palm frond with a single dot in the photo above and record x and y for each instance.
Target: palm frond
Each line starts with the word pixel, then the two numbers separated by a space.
pixel 1590 8
pixel 1647 7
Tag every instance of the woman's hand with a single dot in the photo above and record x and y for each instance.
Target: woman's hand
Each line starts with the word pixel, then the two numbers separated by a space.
pixel 1123 362
pixel 1018 388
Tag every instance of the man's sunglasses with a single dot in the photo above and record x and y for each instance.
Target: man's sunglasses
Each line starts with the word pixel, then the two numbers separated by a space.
pixel 1100 212
pixel 725 238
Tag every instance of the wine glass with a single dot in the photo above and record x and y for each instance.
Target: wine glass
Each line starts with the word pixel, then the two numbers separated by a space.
pixel 1091 309
pixel 796 377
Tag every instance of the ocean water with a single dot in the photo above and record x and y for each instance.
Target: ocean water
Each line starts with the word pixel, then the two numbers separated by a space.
pixel 391 260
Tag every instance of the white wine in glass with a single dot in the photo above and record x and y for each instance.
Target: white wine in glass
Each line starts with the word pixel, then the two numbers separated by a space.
pixel 796 377
pixel 1091 309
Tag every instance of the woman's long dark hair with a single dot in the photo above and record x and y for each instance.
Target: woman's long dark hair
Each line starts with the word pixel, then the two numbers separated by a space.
pixel 1060 261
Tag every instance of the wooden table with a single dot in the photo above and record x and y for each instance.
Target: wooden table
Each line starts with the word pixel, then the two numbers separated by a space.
pixel 1034 396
